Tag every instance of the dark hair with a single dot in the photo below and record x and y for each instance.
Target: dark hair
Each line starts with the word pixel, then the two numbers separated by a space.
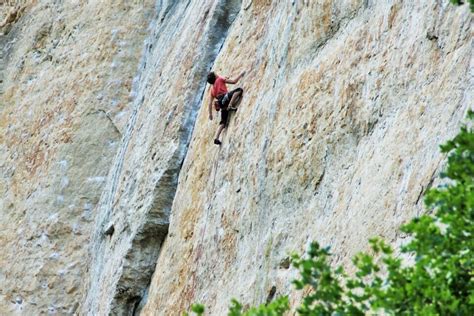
pixel 211 77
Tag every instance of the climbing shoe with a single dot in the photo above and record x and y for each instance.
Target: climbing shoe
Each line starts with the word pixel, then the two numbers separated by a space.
pixel 217 142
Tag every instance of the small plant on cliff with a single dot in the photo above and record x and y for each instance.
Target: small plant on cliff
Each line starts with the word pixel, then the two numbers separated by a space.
pixel 439 282
pixel 459 2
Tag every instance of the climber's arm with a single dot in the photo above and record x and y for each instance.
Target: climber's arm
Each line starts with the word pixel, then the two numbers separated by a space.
pixel 211 99
pixel 233 81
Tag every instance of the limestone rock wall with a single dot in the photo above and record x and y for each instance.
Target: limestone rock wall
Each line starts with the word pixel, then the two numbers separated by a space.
pixel 66 74
pixel 113 198
pixel 140 190
pixel 336 140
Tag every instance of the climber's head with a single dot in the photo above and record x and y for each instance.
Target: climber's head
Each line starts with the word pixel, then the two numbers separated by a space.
pixel 211 77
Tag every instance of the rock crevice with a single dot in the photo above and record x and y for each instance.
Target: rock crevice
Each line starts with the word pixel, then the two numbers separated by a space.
pixel 141 226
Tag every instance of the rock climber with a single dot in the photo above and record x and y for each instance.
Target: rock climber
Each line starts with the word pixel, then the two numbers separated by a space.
pixel 225 101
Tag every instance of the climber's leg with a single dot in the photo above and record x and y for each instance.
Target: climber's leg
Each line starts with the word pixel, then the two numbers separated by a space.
pixel 236 98
pixel 218 134
pixel 222 125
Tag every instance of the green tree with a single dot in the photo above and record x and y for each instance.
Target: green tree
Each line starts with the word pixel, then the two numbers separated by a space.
pixel 459 2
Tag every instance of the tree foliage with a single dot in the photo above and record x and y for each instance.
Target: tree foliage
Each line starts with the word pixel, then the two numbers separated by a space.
pixel 460 2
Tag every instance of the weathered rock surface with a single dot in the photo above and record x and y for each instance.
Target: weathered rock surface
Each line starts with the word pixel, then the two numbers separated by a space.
pixel 66 74
pixel 336 140
pixel 140 190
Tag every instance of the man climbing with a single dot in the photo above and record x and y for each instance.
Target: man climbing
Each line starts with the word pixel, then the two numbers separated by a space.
pixel 225 100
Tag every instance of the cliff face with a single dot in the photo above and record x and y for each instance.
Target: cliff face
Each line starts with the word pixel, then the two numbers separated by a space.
pixel 66 70
pixel 336 140
pixel 137 200
pixel 107 180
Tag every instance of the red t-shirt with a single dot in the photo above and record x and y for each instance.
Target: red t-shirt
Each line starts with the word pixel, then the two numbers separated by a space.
pixel 219 87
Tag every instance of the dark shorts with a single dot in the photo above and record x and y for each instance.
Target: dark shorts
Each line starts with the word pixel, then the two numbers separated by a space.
pixel 224 103
pixel 228 96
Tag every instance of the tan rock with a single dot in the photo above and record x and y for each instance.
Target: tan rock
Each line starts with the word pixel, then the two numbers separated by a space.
pixel 336 140
pixel 59 129
pixel 110 182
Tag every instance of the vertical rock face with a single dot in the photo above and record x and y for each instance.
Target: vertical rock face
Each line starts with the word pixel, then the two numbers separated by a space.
pixel 139 194
pixel 66 73
pixel 113 198
pixel 336 140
